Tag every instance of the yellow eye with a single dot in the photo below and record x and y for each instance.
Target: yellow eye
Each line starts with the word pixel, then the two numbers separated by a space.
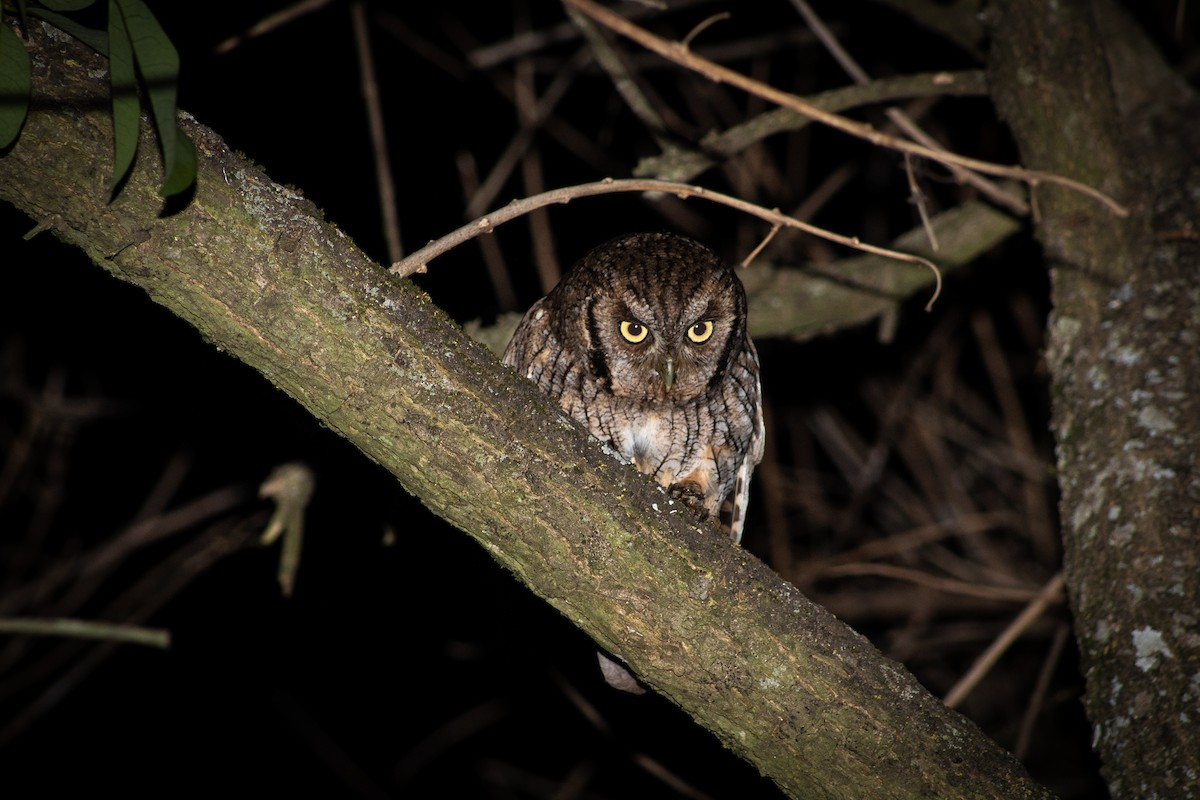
pixel 701 331
pixel 634 332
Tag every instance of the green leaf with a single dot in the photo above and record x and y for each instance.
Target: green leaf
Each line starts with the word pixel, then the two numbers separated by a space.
pixel 21 14
pixel 184 174
pixel 66 5
pixel 15 85
pixel 158 63
pixel 97 40
pixel 126 109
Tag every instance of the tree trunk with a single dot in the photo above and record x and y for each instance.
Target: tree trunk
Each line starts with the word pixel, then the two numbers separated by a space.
pixel 1088 97
pixel 255 269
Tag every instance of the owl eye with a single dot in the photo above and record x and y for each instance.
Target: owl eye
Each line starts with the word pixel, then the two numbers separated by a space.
pixel 701 331
pixel 634 332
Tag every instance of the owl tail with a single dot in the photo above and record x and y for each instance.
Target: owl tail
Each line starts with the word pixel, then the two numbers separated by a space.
pixel 617 676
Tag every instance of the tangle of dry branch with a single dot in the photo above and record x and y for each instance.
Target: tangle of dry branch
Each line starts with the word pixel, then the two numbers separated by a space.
pixel 679 54
pixel 418 261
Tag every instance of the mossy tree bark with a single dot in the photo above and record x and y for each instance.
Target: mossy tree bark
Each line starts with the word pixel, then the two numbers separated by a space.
pixel 1088 97
pixel 256 270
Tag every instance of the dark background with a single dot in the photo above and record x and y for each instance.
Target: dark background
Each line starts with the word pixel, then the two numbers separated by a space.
pixel 408 663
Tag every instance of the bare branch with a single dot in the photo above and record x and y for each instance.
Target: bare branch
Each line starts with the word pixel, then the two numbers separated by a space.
pixel 720 74
pixel 419 261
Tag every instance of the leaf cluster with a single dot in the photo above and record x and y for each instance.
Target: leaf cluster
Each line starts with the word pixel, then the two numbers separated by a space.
pixel 141 57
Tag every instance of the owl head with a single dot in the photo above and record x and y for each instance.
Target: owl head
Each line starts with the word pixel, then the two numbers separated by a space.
pixel 661 316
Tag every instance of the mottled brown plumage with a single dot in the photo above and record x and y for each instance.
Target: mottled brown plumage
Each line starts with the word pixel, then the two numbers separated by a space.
pixel 644 342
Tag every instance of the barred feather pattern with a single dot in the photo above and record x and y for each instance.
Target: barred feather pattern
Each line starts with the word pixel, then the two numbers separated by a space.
pixel 682 403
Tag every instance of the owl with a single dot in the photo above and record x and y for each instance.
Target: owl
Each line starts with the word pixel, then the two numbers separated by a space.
pixel 644 342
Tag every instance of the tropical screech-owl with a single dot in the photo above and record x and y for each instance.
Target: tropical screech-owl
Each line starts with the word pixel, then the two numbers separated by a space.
pixel 644 342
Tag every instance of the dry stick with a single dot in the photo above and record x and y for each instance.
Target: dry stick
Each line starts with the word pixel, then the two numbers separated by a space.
pixel 1038 508
pixel 528 42
pixel 610 61
pixel 591 714
pixel 684 164
pixel 572 139
pixel 151 591
pixel 902 120
pixel 451 733
pixel 419 261
pixel 1049 594
pixel 170 477
pixel 1038 696
pixel 493 258
pixel 762 170
pixel 533 180
pixel 507 162
pixel 947 585
pixel 271 22
pixel 103 558
pixel 596 719
pixel 759 248
pixel 715 72
pixel 24 446
pixel 86 629
pixel 417 44
pixel 677 784
pixel 918 198
pixel 905 541
pixel 383 168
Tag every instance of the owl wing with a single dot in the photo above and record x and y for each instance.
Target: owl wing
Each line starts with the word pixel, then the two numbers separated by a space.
pixel 734 508
pixel 528 340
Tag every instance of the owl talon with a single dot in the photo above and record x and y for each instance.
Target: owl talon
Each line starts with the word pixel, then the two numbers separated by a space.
pixel 690 494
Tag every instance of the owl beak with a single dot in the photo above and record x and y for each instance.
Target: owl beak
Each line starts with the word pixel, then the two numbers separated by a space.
pixel 667 372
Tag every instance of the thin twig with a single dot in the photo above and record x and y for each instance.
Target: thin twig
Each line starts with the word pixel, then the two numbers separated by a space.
pixel 610 61
pixel 493 258
pixel 533 179
pixel 918 199
pixel 1038 507
pixel 527 42
pixel 903 121
pixel 271 22
pixel 530 124
pixel 759 247
pixel 912 539
pixel 715 72
pixel 677 784
pixel 1038 696
pixel 136 603
pixel 703 26
pixel 1050 593
pixel 383 167
pixel 86 629
pixel 103 558
pixel 948 585
pixel 683 164
pixel 418 261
